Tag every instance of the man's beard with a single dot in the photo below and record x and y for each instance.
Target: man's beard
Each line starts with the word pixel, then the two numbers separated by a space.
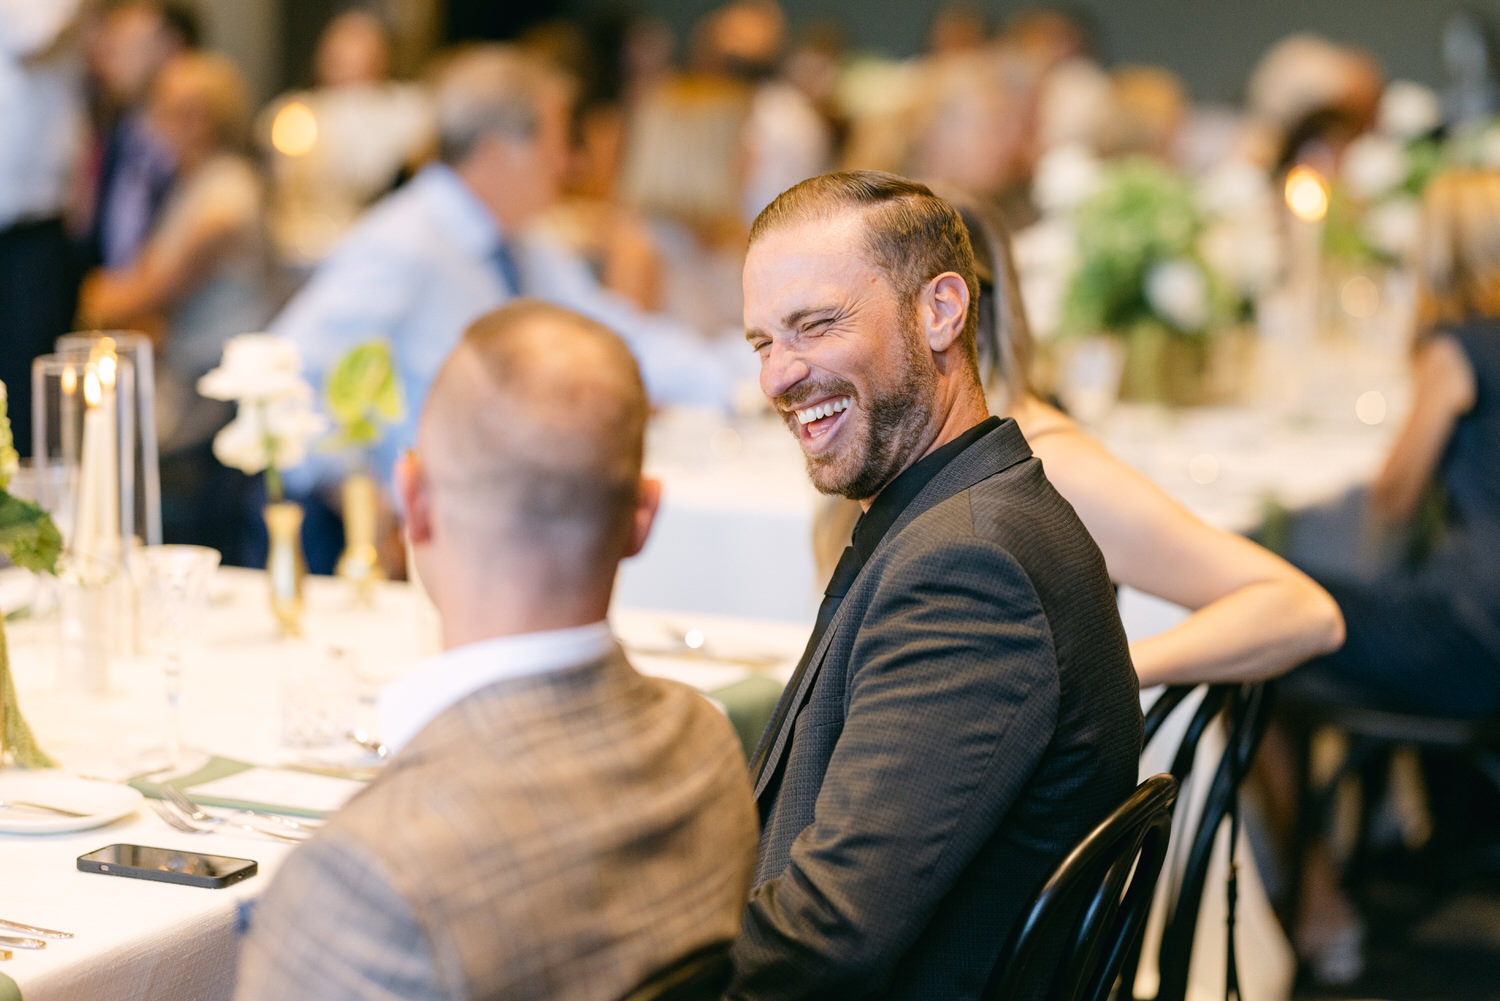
pixel 894 420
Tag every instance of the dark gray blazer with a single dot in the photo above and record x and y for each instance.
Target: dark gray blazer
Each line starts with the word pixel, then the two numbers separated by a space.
pixel 970 713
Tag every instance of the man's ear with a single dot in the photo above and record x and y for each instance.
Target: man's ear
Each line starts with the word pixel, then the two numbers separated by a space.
pixel 416 501
pixel 645 514
pixel 943 307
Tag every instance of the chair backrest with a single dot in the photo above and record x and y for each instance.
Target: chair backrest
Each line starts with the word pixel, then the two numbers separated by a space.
pixel 702 975
pixel 1089 915
pixel 1245 710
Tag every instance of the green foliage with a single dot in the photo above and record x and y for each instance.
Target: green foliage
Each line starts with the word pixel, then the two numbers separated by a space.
pixel 364 394
pixel 1143 214
pixel 27 535
pixel 8 459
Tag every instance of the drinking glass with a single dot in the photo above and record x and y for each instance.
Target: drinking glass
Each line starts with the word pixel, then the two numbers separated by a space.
pixel 175 582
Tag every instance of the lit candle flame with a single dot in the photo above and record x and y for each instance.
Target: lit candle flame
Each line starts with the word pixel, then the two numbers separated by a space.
pixel 70 380
pixel 294 131
pixel 1306 194
pixel 91 389
pixel 106 368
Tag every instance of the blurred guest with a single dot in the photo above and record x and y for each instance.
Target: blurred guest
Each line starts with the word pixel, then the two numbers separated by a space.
pixel 965 709
pixel 40 117
pixel 1050 37
pixel 200 278
pixel 1424 637
pixel 957 28
pixel 552 824
pixel 787 140
pixel 1303 80
pixel 684 173
pixel 132 167
pixel 453 243
pixel 976 129
pixel 1148 107
pixel 337 147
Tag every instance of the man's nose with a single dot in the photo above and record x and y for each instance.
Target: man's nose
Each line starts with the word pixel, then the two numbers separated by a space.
pixel 780 370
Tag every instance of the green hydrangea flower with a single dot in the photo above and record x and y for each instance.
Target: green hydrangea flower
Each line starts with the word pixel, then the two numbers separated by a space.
pixel 364 394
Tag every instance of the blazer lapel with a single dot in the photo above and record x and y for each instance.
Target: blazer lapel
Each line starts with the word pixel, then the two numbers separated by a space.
pixel 783 737
pixel 1003 447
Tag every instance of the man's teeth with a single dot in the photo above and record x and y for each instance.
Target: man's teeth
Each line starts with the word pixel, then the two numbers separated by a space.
pixel 822 410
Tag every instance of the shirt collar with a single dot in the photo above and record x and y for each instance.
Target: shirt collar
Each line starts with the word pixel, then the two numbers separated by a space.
pixel 901 491
pixel 464 217
pixel 409 703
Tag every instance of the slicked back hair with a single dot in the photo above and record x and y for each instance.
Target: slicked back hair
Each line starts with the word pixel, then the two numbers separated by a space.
pixel 911 234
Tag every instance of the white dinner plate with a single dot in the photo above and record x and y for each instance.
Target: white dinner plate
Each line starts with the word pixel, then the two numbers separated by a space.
pixel 99 802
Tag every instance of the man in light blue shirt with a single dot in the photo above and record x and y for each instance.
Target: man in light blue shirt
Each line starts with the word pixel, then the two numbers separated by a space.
pixel 451 245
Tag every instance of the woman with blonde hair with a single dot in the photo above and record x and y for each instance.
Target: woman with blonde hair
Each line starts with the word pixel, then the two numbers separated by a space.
pixel 1425 637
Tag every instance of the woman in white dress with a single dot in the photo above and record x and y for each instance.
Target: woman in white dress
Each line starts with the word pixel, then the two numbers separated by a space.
pixel 1250 614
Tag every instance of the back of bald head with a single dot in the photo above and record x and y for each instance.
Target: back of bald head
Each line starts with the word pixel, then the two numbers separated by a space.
pixel 532 438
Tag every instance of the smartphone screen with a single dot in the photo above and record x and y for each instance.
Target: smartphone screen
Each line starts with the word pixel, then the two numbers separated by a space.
pixel 169 865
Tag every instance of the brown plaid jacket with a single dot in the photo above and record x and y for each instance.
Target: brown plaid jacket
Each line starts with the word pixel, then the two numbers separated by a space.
pixel 556 836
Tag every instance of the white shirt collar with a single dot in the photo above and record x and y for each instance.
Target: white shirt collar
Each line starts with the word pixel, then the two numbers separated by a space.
pixel 412 701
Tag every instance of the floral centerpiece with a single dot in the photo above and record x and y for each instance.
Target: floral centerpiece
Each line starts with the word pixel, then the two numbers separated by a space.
pixel 1375 198
pixel 270 433
pixel 31 541
pixel 364 395
pixel 1137 245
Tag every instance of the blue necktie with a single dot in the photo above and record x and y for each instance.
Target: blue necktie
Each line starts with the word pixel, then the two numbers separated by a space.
pixel 505 263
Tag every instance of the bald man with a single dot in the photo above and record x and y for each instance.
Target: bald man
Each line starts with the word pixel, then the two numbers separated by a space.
pixel 552 824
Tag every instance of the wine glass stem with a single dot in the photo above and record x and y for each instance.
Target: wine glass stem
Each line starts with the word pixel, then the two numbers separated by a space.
pixel 172 668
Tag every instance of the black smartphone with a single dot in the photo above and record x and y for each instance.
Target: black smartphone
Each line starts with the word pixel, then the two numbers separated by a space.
pixel 167 865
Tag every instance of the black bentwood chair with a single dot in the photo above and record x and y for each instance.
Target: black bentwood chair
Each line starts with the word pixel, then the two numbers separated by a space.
pixel 1089 915
pixel 699 976
pixel 1245 710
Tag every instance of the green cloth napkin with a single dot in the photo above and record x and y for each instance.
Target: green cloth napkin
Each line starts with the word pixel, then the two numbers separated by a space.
pixel 218 768
pixel 8 989
pixel 750 703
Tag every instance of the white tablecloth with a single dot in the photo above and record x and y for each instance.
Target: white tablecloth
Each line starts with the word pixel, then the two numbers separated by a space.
pixel 145 940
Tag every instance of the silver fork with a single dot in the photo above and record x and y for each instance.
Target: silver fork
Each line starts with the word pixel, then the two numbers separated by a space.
pixel 190 823
pixel 179 799
pixel 173 820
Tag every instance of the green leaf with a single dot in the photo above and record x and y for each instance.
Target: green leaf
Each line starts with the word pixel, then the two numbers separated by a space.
pixel 27 535
pixel 8 459
pixel 364 393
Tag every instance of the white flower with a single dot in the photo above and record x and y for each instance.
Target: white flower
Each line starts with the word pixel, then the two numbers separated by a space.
pixel 1178 292
pixel 1373 165
pixel 266 432
pixel 1245 250
pixel 1391 226
pixel 255 367
pixel 1409 110
pixel 1065 176
pixel 1234 187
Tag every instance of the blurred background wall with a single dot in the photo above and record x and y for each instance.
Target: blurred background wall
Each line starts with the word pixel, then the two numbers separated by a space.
pixel 1211 44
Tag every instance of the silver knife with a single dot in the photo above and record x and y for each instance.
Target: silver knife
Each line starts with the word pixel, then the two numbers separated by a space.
pixel 33 930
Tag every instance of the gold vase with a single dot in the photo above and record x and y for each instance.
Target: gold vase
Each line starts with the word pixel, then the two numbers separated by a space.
pixel 360 562
pixel 285 566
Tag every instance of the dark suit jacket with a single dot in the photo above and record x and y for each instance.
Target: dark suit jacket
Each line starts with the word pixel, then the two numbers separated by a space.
pixel 970 713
